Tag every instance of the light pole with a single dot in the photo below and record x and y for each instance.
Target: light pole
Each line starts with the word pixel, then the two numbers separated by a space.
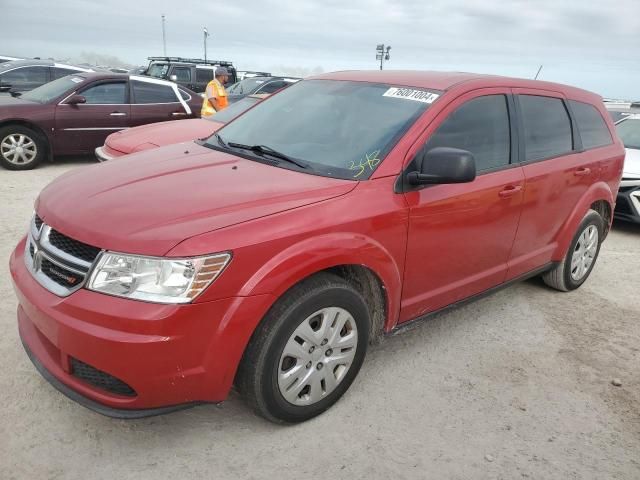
pixel 382 54
pixel 164 38
pixel 206 35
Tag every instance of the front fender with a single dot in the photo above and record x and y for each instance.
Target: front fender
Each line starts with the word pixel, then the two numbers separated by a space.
pixel 597 191
pixel 318 253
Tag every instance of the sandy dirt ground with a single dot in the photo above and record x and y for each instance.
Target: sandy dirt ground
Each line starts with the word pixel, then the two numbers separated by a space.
pixel 517 385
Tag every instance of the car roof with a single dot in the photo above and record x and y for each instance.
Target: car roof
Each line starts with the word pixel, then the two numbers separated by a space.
pixel 35 62
pixel 447 80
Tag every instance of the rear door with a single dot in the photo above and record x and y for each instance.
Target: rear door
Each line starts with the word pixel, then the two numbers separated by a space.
pixel 557 174
pixel 156 101
pixel 461 235
pixel 81 128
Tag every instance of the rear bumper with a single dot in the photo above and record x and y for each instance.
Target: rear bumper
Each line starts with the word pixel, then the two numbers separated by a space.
pixel 628 204
pixel 171 356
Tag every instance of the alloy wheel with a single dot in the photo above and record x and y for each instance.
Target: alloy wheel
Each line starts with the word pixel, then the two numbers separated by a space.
pixel 584 252
pixel 18 149
pixel 317 356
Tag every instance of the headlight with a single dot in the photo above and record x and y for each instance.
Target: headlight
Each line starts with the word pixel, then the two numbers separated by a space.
pixel 162 280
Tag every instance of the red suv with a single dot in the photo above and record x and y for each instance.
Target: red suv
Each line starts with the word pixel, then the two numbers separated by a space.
pixel 332 213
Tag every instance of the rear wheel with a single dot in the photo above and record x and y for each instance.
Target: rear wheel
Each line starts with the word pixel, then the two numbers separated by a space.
pixel 577 264
pixel 307 351
pixel 21 148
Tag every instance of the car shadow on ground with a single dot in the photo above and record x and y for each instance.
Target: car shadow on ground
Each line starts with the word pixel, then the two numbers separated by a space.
pixel 627 227
pixel 78 160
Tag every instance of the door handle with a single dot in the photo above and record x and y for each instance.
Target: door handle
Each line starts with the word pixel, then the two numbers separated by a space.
pixel 178 114
pixel 118 114
pixel 582 172
pixel 510 191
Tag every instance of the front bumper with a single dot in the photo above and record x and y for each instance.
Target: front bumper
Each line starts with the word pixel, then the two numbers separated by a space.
pixel 104 153
pixel 170 355
pixel 628 203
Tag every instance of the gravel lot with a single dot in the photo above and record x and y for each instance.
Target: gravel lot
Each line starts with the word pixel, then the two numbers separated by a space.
pixel 517 385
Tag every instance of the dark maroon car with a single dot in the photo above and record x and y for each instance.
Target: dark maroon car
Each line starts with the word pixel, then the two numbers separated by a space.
pixel 74 114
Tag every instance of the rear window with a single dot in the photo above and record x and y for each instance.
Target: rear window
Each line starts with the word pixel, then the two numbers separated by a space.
pixel 547 127
pixel 592 127
pixel 145 92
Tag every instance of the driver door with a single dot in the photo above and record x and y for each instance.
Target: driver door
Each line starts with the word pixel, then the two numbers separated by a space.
pixel 80 128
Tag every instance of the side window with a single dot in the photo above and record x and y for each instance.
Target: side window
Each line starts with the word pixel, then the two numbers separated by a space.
pixel 145 92
pixel 204 75
pixel 57 72
pixel 185 96
pixel 111 93
pixel 271 87
pixel 31 77
pixel 593 130
pixel 183 74
pixel 480 126
pixel 547 127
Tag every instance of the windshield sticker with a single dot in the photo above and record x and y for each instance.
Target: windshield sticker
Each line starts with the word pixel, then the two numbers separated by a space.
pixel 371 161
pixel 76 80
pixel 410 94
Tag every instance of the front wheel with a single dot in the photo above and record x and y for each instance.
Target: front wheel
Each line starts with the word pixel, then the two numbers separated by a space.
pixel 20 148
pixel 581 257
pixel 307 351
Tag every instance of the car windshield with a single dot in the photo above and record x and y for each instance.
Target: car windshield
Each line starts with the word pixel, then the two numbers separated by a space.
pixel 342 129
pixel 158 70
pixel 629 132
pixel 51 90
pixel 246 86
pixel 233 110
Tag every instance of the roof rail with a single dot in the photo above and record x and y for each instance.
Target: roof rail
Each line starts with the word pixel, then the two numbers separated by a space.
pixel 200 61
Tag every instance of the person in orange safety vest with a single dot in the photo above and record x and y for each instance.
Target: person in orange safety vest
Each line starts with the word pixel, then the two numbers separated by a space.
pixel 215 96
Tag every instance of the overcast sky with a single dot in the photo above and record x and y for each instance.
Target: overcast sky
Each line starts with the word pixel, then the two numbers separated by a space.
pixel 593 44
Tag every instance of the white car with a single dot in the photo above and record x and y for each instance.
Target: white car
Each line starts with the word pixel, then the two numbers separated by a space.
pixel 628 202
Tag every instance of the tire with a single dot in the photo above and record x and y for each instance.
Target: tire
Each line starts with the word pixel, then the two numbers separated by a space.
pixel 32 148
pixel 293 388
pixel 571 272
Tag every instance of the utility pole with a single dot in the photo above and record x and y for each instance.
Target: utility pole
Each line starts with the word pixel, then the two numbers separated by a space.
pixel 382 54
pixel 206 34
pixel 164 38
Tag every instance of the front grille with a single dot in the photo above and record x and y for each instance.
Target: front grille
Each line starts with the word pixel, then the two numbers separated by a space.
pixel 60 275
pixel 623 206
pixel 38 221
pixel 73 247
pixel 32 250
pixel 100 379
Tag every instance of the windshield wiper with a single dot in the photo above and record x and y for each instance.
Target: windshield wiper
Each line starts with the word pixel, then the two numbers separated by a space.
pixel 221 142
pixel 265 150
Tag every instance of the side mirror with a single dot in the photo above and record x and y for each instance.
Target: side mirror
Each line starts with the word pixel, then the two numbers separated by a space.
pixel 173 78
pixel 76 99
pixel 5 87
pixel 443 165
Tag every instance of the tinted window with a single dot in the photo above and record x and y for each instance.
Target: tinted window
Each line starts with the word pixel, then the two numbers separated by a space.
pixel 183 74
pixel 547 127
pixel 26 77
pixel 61 72
pixel 272 87
pixel 629 132
pixel 153 93
pixel 593 130
pixel 480 126
pixel 112 93
pixel 204 75
pixel 184 95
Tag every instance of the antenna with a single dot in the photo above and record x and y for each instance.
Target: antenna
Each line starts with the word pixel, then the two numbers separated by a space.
pixel 538 73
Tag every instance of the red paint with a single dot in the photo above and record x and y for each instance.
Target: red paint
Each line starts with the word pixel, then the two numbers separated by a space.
pixel 429 247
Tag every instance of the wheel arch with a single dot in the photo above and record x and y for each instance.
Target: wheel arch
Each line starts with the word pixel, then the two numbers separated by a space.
pixel 599 198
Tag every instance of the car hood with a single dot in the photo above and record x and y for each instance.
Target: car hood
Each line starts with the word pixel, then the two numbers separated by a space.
pixel 7 101
pixel 161 134
pixel 150 201
pixel 632 163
